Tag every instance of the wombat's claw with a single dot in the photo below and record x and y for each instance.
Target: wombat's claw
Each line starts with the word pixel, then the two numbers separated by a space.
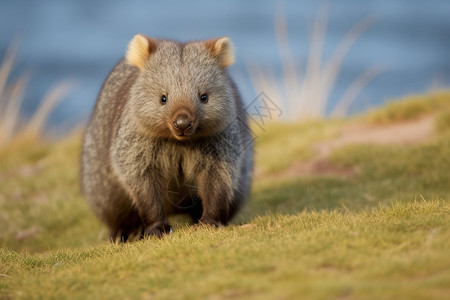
pixel 209 222
pixel 158 230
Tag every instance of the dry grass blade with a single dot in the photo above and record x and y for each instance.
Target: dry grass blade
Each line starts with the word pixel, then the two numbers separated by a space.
pixel 11 97
pixel 343 105
pixel 50 101
pixel 311 90
pixel 332 69
pixel 265 80
pixel 9 110
pixel 290 72
pixel 5 276
pixel 6 67
pixel 305 92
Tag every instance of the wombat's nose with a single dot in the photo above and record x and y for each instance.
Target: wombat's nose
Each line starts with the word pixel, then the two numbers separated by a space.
pixel 182 122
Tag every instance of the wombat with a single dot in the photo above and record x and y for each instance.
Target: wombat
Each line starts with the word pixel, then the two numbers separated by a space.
pixel 168 135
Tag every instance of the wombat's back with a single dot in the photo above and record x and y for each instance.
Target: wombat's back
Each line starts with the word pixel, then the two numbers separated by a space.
pixel 98 182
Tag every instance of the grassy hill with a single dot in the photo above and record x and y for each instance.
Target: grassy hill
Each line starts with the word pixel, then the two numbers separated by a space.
pixel 354 209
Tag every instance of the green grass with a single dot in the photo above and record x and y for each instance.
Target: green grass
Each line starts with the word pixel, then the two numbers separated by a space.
pixel 443 121
pixel 281 143
pixel 382 232
pixel 412 108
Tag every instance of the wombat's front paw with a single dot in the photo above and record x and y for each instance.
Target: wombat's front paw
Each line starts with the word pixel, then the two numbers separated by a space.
pixel 158 230
pixel 210 222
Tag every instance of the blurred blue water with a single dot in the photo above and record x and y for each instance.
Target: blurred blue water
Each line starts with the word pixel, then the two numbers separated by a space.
pixel 84 39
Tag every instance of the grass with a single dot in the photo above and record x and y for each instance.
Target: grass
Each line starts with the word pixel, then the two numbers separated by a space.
pixel 311 254
pixel 14 132
pixel 383 232
pixel 276 151
pixel 414 107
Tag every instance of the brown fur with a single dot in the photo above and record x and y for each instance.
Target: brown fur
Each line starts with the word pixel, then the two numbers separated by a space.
pixel 137 149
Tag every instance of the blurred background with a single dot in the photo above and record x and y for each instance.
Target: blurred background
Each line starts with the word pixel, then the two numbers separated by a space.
pixel 313 58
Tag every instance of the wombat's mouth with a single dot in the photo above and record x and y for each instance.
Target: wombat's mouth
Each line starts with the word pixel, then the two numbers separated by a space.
pixel 183 134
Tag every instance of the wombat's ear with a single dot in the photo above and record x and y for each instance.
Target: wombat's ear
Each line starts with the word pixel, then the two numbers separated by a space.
pixel 222 49
pixel 139 50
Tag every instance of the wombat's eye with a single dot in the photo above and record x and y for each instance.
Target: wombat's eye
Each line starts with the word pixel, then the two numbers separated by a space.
pixel 204 98
pixel 163 99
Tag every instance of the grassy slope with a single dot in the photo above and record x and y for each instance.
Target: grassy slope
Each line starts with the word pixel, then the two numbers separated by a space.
pixel 384 232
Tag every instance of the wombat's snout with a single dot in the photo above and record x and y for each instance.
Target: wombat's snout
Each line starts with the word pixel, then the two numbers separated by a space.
pixel 183 124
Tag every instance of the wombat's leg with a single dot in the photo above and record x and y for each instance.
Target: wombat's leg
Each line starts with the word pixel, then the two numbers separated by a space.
pixel 149 203
pixel 236 204
pixel 127 225
pixel 114 207
pixel 196 212
pixel 214 187
pixel 242 190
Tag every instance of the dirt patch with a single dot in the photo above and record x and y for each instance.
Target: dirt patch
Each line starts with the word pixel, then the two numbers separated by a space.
pixel 28 233
pixel 406 133
pixel 27 170
pixel 315 166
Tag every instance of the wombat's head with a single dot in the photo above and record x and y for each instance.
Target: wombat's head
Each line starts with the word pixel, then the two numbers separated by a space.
pixel 183 91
